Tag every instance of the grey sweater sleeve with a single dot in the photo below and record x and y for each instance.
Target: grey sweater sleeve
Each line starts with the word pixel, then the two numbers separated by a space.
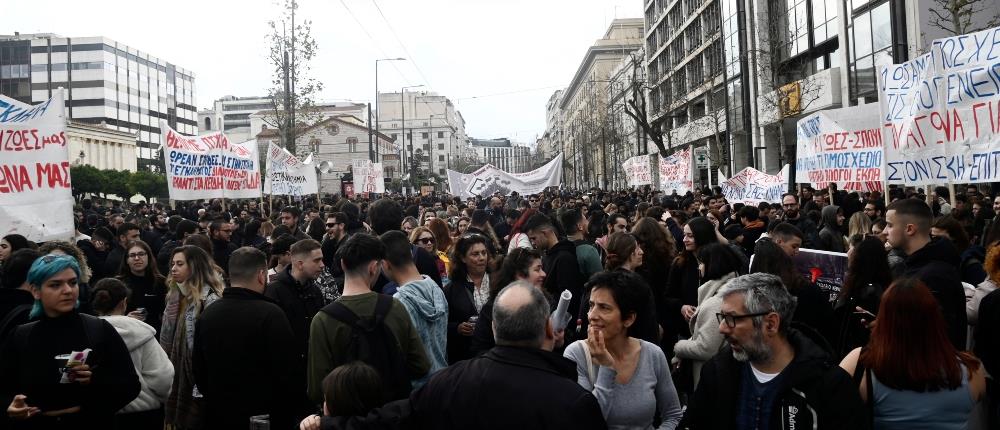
pixel 667 401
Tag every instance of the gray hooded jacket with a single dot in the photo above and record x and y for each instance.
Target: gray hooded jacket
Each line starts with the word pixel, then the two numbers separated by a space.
pixel 425 302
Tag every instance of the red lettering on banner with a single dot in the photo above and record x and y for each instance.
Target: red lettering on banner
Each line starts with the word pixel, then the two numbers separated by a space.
pixel 14 178
pixel 52 175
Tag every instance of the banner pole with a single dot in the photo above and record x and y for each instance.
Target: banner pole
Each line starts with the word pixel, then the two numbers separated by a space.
pixel 224 208
pixel 951 192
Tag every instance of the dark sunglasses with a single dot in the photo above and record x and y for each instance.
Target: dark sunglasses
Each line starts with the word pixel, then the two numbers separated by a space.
pixel 425 240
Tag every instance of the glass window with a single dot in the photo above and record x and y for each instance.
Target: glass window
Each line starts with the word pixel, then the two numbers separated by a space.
pixel 865 75
pixel 881 24
pixel 862 35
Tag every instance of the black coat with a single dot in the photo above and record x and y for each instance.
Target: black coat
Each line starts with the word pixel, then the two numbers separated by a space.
pixel 460 308
pixel 152 297
pixel 244 334
pixel 987 346
pixel 507 388
pixel 28 367
pixel 300 303
pixel 221 250
pixel 563 272
pixel 808 228
pixel 936 264
pixel 812 386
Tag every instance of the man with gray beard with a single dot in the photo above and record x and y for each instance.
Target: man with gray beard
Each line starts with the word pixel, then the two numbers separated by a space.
pixel 769 375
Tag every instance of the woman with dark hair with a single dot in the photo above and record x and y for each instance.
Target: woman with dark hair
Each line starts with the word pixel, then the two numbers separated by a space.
pixel 619 362
pixel 468 292
pixel 522 264
pixel 718 264
pixel 111 298
pixel 194 284
pixel 658 246
pixel 868 275
pixel 972 256
pixel 624 252
pixel 909 373
pixel 148 286
pixel 316 229
pixel 49 378
pixel 684 279
pixel 11 243
pixel 812 304
pixel 518 238
pixel 251 234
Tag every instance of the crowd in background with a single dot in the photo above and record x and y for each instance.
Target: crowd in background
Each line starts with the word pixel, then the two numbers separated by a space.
pixel 433 311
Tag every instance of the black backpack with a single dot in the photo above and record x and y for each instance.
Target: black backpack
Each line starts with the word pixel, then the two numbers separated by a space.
pixel 374 344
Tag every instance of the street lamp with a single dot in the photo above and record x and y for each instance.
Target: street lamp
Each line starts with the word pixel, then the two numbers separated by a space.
pixel 402 112
pixel 376 96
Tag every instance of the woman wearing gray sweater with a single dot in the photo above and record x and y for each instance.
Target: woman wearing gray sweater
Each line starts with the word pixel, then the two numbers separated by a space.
pixel 630 377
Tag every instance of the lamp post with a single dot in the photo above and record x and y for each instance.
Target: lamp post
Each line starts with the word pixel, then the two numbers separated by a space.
pixel 402 111
pixel 376 96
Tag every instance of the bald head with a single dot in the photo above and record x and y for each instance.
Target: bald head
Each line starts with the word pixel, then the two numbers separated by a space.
pixel 520 315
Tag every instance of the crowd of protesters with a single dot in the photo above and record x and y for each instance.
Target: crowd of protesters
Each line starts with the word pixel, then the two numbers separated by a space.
pixel 433 311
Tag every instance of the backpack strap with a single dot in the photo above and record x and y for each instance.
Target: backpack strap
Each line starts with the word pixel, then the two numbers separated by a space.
pixel 341 313
pixel 382 307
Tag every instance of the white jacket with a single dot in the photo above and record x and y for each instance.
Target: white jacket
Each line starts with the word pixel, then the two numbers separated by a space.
pixel 705 338
pixel 156 372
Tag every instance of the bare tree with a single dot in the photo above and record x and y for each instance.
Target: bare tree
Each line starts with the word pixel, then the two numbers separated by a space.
pixel 293 91
pixel 956 17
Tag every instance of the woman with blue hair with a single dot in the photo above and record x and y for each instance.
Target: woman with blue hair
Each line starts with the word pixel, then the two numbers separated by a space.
pixel 65 369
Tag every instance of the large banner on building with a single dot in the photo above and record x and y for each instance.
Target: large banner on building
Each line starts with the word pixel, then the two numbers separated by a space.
pixel 637 171
pixel 941 112
pixel 751 186
pixel 489 179
pixel 841 146
pixel 287 175
pixel 676 173
pixel 208 166
pixel 368 177
pixel 36 197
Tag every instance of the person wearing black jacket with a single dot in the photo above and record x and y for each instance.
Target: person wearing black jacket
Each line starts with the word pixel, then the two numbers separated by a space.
pixel 246 333
pixel 794 216
pixel 184 229
pixel 42 391
pixel 559 261
pixel 933 261
pixel 769 375
pixel 124 234
pixel 221 233
pixel 15 295
pixel 519 383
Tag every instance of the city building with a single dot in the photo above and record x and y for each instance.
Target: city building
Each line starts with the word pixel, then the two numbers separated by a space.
pixel 435 130
pixel 550 143
pixel 683 57
pixel 101 146
pixel 106 82
pixel 787 59
pixel 243 117
pixel 584 106
pixel 625 136
pixel 503 154
pixel 338 141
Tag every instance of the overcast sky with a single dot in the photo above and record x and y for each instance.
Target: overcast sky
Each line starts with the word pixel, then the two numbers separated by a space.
pixel 468 50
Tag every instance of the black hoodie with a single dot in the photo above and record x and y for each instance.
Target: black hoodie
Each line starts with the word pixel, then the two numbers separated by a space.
pixel 936 264
pixel 815 392
pixel 563 271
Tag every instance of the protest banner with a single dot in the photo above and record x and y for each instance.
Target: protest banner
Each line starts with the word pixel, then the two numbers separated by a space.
pixel 208 166
pixel 841 146
pixel 675 172
pixel 825 269
pixel 941 112
pixel 638 171
pixel 751 186
pixel 287 175
pixel 36 196
pixel 368 176
pixel 489 179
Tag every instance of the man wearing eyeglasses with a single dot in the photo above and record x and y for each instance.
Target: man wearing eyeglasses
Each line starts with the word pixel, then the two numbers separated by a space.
pixel 768 375
pixel 221 232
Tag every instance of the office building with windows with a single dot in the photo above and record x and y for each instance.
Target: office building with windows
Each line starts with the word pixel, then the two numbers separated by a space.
pixel 683 57
pixel 435 130
pixel 503 154
pixel 106 82
pixel 243 118
pixel 785 59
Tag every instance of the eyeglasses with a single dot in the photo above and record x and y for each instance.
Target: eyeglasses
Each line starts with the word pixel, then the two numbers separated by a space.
pixel 731 319
pixel 425 240
pixel 137 255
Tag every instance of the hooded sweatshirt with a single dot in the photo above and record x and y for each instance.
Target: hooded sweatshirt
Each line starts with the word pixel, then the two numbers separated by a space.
pixel 830 238
pixel 425 302
pixel 156 372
